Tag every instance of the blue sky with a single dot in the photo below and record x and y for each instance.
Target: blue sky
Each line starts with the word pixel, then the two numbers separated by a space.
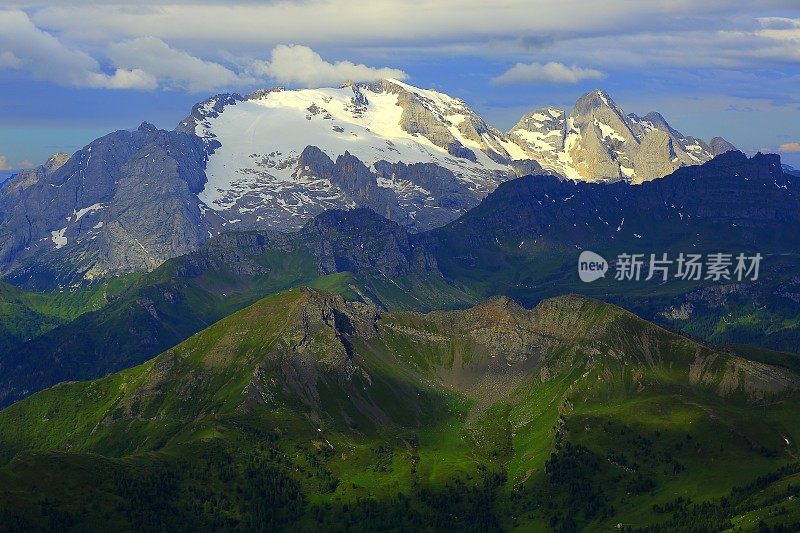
pixel 72 70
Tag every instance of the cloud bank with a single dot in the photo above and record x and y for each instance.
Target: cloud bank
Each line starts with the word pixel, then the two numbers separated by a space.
pixel 26 48
pixel 734 63
pixel 148 63
pixel 551 72
pixel 793 147
pixel 159 64
pixel 301 65
pixel 151 45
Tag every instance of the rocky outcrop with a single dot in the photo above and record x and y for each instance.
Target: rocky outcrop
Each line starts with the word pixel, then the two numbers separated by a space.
pixel 29 177
pixel 383 247
pixel 541 134
pixel 420 115
pixel 654 157
pixel 355 179
pixel 125 202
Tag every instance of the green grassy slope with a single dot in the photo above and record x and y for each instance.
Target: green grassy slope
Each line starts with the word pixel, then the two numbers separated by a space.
pixel 304 410
pixel 189 293
pixel 157 311
pixel 26 315
pixel 527 266
pixel 505 246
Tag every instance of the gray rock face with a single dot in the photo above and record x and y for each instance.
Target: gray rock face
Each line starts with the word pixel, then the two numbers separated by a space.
pixel 597 141
pixel 29 177
pixel 655 156
pixel 417 118
pixel 428 195
pixel 356 180
pixel 381 246
pixel 420 116
pixel 126 202
pixel 211 108
pixel 437 116
pixel 718 145
pixel 418 196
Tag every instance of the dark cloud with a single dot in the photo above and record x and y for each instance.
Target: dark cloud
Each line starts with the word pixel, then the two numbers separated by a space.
pixel 537 42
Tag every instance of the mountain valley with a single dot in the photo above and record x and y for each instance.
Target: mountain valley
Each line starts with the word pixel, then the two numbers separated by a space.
pixel 522 241
pixel 352 417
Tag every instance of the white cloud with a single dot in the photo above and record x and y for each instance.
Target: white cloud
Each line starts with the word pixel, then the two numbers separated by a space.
pixel 124 79
pixel 150 61
pixel 646 33
pixel 4 163
pixel 40 55
pixel 609 35
pixel 344 22
pixel 296 64
pixel 551 72
pixel 612 36
pixel 9 60
pixel 790 147
pixel 780 28
pixel 144 63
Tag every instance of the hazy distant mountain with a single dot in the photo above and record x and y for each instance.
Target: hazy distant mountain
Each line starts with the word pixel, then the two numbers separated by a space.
pixel 30 176
pixel 790 170
pixel 718 146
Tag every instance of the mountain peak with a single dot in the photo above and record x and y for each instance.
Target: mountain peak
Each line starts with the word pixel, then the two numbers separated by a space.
pixel 146 127
pixel 719 146
pixel 656 120
pixel 55 161
pixel 594 99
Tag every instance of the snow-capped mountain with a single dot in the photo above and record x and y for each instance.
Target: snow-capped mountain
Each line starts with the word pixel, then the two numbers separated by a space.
pixel 597 141
pixel 276 158
pixel 274 155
